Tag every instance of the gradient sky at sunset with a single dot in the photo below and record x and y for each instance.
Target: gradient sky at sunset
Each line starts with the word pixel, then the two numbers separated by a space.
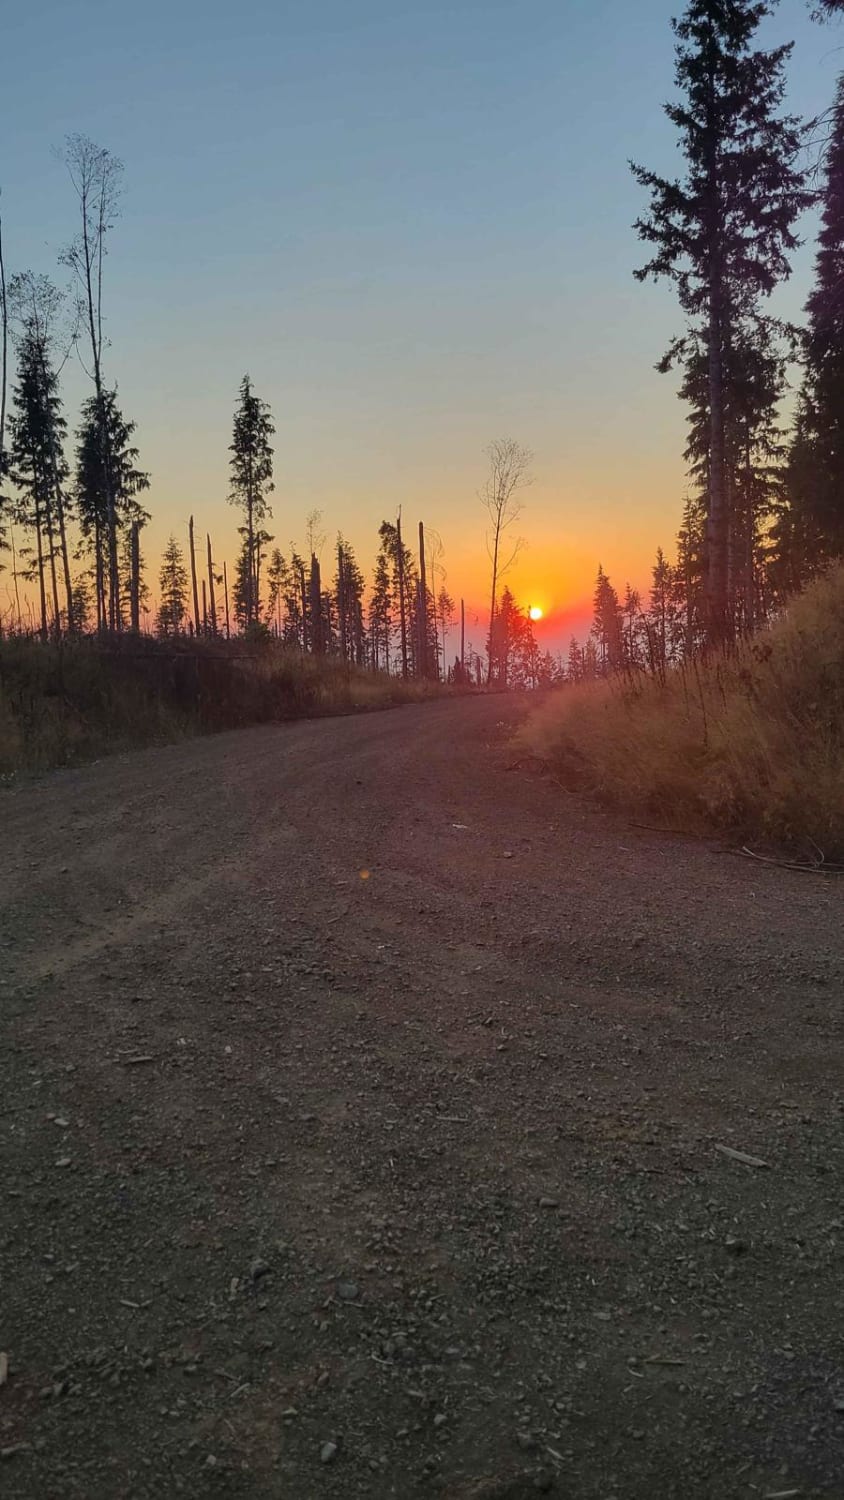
pixel 411 224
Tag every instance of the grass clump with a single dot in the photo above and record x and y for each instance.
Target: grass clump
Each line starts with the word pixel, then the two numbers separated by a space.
pixel 750 741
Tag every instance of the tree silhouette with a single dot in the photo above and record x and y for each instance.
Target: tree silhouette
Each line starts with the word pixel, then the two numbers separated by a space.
pixel 723 234
pixel 251 466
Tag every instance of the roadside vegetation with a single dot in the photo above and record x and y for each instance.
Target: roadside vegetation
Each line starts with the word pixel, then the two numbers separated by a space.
pixel 71 701
pixel 749 740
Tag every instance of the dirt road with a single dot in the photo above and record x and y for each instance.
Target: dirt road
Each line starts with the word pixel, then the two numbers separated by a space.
pixel 361 1104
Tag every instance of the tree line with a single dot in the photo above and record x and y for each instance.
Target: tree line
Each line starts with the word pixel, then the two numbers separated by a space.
pixel 764 511
pixel 73 521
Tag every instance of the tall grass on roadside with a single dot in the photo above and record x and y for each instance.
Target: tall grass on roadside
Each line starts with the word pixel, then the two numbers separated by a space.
pixel 61 703
pixel 750 740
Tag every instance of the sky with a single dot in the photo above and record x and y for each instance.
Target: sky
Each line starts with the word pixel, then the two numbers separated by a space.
pixel 411 224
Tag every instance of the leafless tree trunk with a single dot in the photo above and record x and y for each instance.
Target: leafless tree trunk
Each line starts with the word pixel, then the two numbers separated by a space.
pixel 196 622
pixel 135 579
pixel 717 518
pixel 509 472
pixel 341 601
pixel 303 590
pixel 226 596
pixel 423 606
pixel 212 613
pixel 15 575
pixel 462 636
pixel 39 550
pixel 51 545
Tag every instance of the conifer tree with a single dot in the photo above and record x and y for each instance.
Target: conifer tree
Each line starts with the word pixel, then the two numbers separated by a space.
pixel 403 578
pixel 381 613
pixel 815 529
pixel 631 610
pixel 687 582
pixel 251 466
pixel 277 583
pixel 244 583
pixel 659 611
pixel 509 473
pixel 294 593
pixel 509 646
pixel 39 471
pixel 348 604
pixel 444 614
pixel 108 483
pixel 606 624
pixel 173 590
pixel 574 661
pixel 37 309
pixel 723 234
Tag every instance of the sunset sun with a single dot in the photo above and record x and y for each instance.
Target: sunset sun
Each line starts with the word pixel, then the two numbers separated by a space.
pixel 535 612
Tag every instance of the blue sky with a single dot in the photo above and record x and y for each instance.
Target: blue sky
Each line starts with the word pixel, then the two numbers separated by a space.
pixel 410 223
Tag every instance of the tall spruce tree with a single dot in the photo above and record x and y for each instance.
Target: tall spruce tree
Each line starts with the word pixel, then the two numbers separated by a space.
pixel 251 466
pixel 278 581
pixel 607 625
pixel 723 234
pixel 108 483
pixel 815 528
pixel 381 601
pixel 37 308
pixel 173 590
pixel 39 472
pixel 402 571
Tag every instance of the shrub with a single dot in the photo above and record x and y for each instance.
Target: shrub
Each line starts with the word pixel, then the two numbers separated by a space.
pixel 750 740
pixel 65 702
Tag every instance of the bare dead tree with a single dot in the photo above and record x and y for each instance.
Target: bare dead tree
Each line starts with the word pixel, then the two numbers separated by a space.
pixel 422 611
pixel 212 607
pixel 96 177
pixel 196 620
pixel 509 473
pixel 314 534
pixel 135 578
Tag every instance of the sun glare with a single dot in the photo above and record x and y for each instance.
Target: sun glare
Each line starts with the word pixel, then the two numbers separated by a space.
pixel 535 612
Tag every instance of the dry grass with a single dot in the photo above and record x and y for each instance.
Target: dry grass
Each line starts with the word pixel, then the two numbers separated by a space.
pixel 60 705
pixel 751 741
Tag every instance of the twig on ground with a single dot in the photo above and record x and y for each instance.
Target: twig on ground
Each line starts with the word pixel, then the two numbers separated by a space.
pixel 817 867
pixel 742 1156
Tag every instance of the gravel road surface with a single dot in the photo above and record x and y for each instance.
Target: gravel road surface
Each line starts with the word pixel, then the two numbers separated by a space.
pixel 368 1113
